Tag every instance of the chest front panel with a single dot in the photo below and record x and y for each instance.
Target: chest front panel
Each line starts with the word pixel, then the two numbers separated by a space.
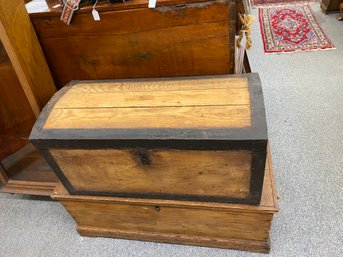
pixel 177 172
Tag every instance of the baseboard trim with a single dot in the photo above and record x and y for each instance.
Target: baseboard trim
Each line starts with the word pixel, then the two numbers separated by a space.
pixel 228 243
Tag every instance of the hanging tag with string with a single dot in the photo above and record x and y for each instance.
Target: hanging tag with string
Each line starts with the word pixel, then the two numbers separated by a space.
pixel 95 13
pixel 152 3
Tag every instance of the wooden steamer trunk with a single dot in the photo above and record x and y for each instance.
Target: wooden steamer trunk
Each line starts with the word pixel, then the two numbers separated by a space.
pixel 177 38
pixel 200 138
pixel 170 160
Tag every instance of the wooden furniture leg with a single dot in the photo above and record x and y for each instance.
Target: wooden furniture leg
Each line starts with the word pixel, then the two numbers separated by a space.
pixel 340 17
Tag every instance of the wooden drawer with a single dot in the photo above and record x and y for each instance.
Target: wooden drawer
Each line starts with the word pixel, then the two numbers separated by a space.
pixel 199 138
pixel 243 227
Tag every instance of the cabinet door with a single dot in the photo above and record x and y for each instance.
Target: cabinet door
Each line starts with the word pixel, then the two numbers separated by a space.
pixel 25 87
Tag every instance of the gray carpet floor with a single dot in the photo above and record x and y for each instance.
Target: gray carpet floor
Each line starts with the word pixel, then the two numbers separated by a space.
pixel 303 97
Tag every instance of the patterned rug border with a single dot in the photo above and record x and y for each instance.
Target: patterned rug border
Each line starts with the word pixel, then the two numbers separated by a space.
pixel 297 50
pixel 268 5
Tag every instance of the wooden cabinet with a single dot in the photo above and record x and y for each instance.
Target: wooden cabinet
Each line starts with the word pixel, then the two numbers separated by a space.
pixel 26 85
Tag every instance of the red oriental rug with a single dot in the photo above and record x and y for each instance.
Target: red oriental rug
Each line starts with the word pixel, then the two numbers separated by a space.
pixel 290 29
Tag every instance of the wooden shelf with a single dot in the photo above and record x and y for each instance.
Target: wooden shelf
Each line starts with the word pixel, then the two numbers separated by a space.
pixel 28 173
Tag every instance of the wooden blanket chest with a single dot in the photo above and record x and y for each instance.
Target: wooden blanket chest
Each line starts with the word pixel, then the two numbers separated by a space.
pixel 199 138
pixel 223 225
pixel 177 38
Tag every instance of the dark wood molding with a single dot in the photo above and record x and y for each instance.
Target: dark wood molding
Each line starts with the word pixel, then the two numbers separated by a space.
pixel 105 6
pixel 258 164
pixel 28 187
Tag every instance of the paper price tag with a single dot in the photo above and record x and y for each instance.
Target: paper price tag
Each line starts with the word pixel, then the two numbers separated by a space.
pixel 152 3
pixel 96 15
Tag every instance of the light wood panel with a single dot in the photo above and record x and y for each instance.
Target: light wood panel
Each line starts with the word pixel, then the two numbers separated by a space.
pixel 220 91
pixel 161 84
pixel 183 103
pixel 25 53
pixel 210 173
pixel 158 117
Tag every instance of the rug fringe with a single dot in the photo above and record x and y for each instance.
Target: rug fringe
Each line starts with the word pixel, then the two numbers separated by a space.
pixel 305 51
pixel 260 6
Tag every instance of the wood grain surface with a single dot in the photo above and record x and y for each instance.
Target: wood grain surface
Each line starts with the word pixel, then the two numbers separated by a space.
pixel 210 173
pixel 268 200
pixel 24 51
pixel 181 220
pixel 177 38
pixel 182 103
pixel 192 92
pixel 158 117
